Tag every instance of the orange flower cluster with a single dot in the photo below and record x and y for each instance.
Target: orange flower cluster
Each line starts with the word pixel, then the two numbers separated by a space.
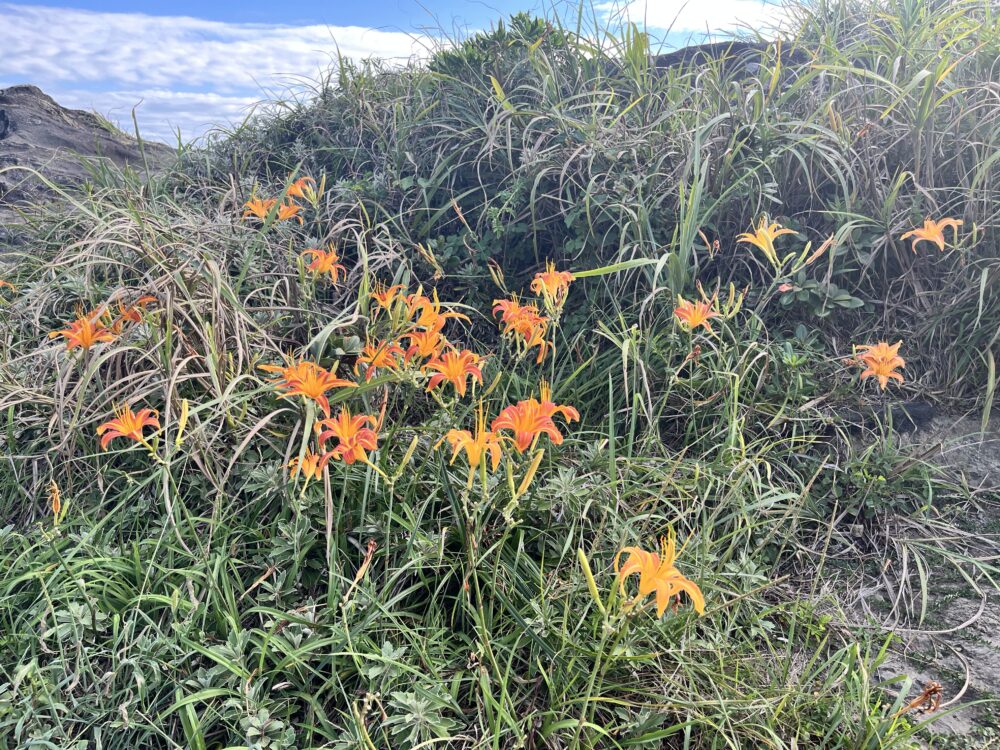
pixel 424 319
pixel 100 326
pixel 261 208
pixel 518 426
pixel 354 437
pixel 416 318
pixel 525 324
pixel 552 286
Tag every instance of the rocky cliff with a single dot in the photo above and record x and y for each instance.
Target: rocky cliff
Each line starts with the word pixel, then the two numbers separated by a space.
pixel 38 134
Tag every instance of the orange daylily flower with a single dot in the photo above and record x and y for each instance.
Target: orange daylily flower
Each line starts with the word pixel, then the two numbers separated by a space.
pixel 428 312
pixel 515 316
pixel 484 443
pixel 354 437
pixel 526 423
pixel 288 211
pixel 415 301
pixel 694 314
pixel 425 344
pixel 259 207
pixel 324 262
pixel 657 573
pixel 380 356
pixel 552 285
pixel 523 322
pixel 933 231
pixel 549 408
pixel 309 466
pixel 880 361
pixel 131 313
pixel 454 367
pixel 536 337
pixel 87 330
pixel 304 187
pixel 128 424
pixel 763 237
pixel 386 295
pixel 306 379
pixel 530 419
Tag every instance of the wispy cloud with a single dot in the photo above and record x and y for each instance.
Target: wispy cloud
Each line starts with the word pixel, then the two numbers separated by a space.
pixel 188 72
pixel 691 17
pixel 191 73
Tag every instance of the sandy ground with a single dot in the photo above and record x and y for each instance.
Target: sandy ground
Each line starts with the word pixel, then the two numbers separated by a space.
pixel 960 645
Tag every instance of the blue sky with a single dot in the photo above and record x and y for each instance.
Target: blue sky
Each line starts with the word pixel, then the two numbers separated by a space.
pixel 190 65
pixel 389 14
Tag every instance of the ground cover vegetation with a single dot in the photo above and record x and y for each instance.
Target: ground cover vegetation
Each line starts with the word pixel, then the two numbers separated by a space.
pixel 528 395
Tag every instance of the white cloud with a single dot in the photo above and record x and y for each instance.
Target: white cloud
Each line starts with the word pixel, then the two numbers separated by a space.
pixel 161 112
pixel 694 16
pixel 190 73
pixel 187 71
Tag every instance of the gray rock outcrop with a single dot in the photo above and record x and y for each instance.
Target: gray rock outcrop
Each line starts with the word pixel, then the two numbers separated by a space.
pixel 38 134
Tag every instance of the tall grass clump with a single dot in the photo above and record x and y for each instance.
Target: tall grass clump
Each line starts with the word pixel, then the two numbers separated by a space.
pixel 529 396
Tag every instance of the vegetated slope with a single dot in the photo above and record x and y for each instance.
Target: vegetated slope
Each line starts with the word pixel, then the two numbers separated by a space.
pixel 895 120
pixel 174 579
